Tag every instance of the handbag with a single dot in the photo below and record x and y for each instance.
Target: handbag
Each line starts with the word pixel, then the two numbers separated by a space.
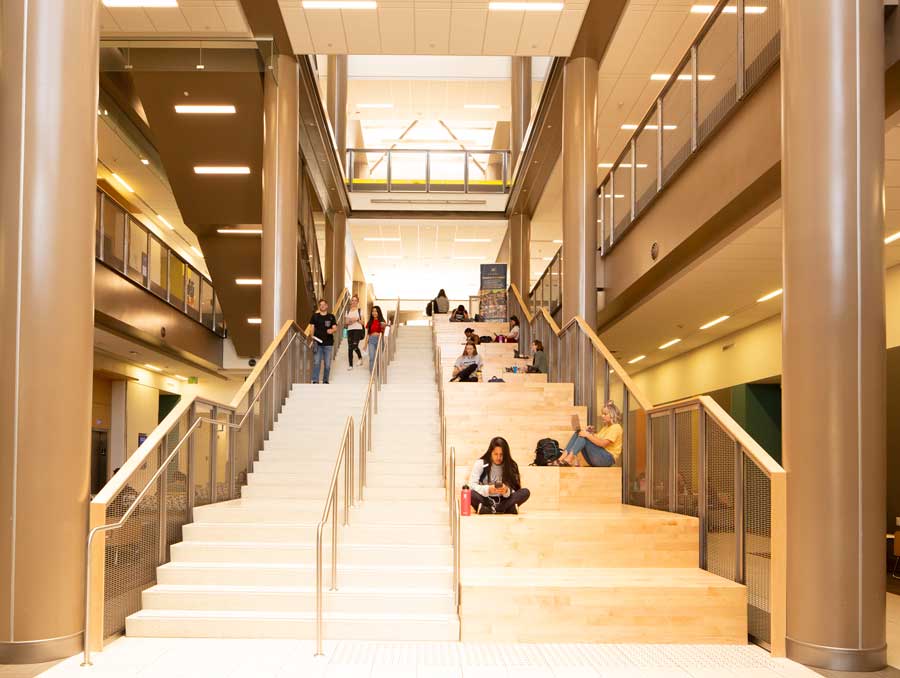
pixel 344 333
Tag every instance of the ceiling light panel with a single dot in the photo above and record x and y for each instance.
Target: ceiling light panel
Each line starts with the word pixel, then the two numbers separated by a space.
pixel 340 4
pixel 669 343
pixel 141 3
pixel 770 295
pixel 239 231
pixel 205 109
pixel 525 6
pixel 221 169
pixel 122 182
pixel 248 281
pixel 636 359
pixel 713 323
pixel 730 9
pixel 254 321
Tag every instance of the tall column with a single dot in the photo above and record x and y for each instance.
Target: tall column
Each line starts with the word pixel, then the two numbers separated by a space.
pixel 579 158
pixel 278 297
pixel 520 253
pixel 336 95
pixel 833 324
pixel 48 133
pixel 338 255
pixel 520 88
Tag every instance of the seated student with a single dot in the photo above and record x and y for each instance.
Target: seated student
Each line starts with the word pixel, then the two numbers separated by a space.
pixel 494 481
pixel 459 315
pixel 467 364
pixel 471 337
pixel 511 337
pixel 441 303
pixel 539 361
pixel 602 448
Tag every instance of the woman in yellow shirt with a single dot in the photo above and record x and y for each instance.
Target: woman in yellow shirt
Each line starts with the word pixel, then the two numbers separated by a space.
pixel 602 448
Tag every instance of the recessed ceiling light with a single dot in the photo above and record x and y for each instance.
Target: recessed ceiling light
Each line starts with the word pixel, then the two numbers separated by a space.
pixel 123 183
pixel 340 4
pixel 525 6
pixel 381 239
pixel 770 295
pixel 479 258
pixel 152 367
pixel 254 321
pixel 618 196
pixel 180 378
pixel 140 3
pixel 165 221
pixel 713 323
pixel 626 165
pixel 671 342
pixel 220 109
pixel 221 169
pixel 144 161
pixel 472 240
pixel 375 105
pixel 630 126
pixel 557 242
pixel 239 231
pixel 703 77
pixel 730 9
pixel 485 107
pixel 248 281
pixel 385 256
pixel 891 238
pixel 636 360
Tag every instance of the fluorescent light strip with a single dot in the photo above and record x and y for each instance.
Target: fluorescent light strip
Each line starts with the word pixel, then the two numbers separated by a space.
pixel 144 161
pixel 221 169
pixel 254 321
pixel 180 378
pixel 892 238
pixel 626 165
pixel 248 281
pixel 123 182
pixel 629 126
pixel 140 3
pixel 703 77
pixel 152 367
pixel 713 323
pixel 205 108
pixel 525 6
pixel 165 221
pixel 671 342
pixel 770 295
pixel 557 242
pixel 340 4
pixel 636 360
pixel 469 258
pixel 472 240
pixel 374 105
pixel 381 239
pixel 385 256
pixel 615 195
pixel 730 9
pixel 239 231
pixel 485 107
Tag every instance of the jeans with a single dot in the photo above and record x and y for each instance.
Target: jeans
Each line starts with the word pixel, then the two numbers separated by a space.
pixel 593 454
pixel 508 504
pixel 373 347
pixel 353 339
pixel 321 355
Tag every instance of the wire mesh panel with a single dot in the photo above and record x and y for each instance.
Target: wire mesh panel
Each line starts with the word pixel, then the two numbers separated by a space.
pixel 721 540
pixel 687 462
pixel 660 449
pixel 757 550
pixel 201 440
pixel 677 122
pixel 222 473
pixel 717 67
pixel 762 39
pixel 176 475
pixel 636 453
pixel 645 162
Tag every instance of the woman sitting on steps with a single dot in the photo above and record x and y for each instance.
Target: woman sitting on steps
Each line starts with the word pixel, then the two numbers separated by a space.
pixel 467 364
pixel 494 481
pixel 602 448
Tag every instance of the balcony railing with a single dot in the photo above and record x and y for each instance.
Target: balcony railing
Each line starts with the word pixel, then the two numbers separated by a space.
pixel 733 52
pixel 547 291
pixel 406 170
pixel 125 245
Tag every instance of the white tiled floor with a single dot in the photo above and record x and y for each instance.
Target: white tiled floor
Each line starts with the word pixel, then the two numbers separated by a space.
pixel 198 658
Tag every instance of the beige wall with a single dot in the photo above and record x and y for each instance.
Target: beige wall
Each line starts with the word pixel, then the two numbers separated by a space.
pixel 101 399
pixel 141 413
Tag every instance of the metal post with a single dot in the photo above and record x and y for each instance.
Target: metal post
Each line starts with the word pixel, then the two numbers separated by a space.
pixel 627 433
pixel 162 505
pixel 648 464
pixel 213 439
pixel 738 513
pixel 350 169
pixel 612 207
pixel 673 453
pixel 695 100
pixel 633 145
pixel 319 585
pixel 702 498
pixel 739 82
pixel 466 172
pixel 427 171
pixel 192 415
pixel 232 454
pixel 659 144
pixel 334 536
pixel 388 173
pixel 251 430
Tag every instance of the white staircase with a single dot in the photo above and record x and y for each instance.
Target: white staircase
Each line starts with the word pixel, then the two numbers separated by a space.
pixel 246 568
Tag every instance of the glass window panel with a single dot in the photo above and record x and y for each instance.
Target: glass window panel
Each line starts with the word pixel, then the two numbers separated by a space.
pixel 192 292
pixel 369 171
pixel 645 162
pixel 176 281
pixel 137 252
pixel 448 169
pixel 621 199
pixel 113 234
pixel 677 122
pixel 717 71
pixel 486 173
pixel 220 319
pixel 159 267
pixel 408 171
pixel 206 304
pixel 98 236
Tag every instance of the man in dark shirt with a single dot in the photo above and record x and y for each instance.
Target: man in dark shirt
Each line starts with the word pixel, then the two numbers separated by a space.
pixel 324 326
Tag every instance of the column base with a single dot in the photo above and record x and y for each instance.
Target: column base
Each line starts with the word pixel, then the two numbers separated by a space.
pixel 837 658
pixel 40 651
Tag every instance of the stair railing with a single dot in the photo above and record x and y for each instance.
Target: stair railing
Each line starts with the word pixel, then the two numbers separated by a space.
pixel 690 458
pixel 201 453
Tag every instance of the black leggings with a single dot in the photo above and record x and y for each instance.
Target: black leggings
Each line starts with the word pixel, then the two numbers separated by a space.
pixel 353 339
pixel 506 505
pixel 467 373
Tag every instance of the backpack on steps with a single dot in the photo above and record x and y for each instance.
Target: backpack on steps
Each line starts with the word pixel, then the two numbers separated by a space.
pixel 546 451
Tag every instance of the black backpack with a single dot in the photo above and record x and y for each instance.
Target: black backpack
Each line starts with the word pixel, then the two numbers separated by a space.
pixel 546 451
pixel 429 308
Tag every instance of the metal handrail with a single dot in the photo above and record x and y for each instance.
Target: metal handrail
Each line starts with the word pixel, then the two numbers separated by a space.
pixel 109 527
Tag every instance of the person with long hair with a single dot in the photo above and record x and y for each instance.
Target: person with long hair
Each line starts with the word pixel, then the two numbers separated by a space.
pixel 511 337
pixel 539 359
pixel 467 364
pixel 375 328
pixel 441 303
pixel 602 448
pixel 494 481
pixel 355 332
pixel 460 315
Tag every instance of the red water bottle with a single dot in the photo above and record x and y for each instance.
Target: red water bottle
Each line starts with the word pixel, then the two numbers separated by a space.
pixel 465 501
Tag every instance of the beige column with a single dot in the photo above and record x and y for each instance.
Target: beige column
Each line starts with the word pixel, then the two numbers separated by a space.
pixel 520 89
pixel 832 88
pixel 48 133
pixel 278 297
pixel 579 158
pixel 520 252
pixel 338 243
pixel 336 94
